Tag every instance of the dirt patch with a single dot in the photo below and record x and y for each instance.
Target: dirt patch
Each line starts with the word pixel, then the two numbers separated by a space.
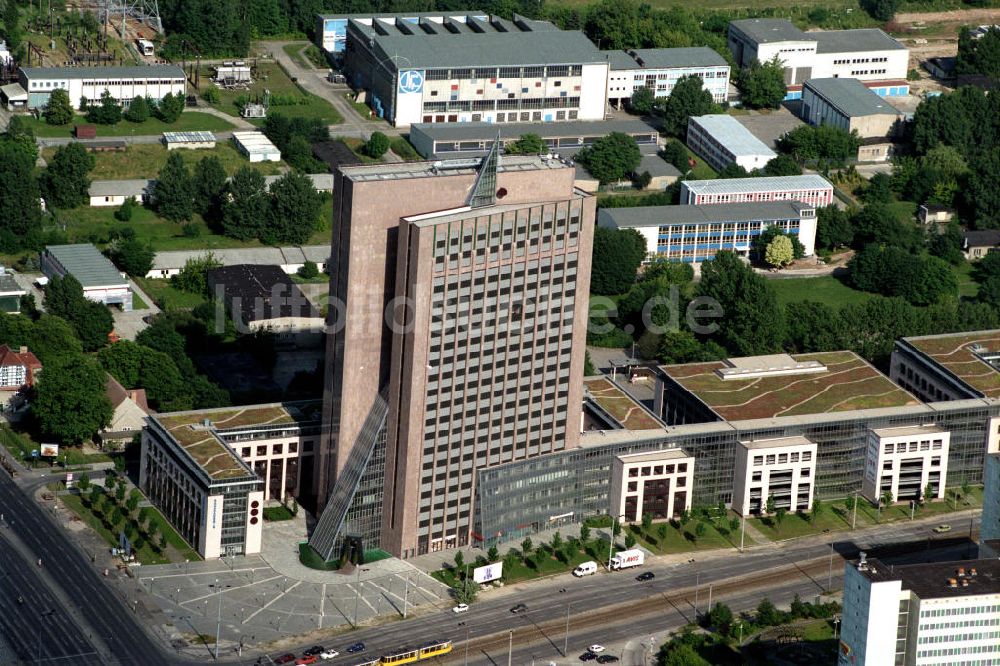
pixel 958 16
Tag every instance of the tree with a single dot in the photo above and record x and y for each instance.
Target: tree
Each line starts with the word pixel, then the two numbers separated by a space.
pixel 527 546
pixel 886 498
pixel 688 98
pixel 616 258
pixel 779 516
pixel 20 133
pixel 611 158
pixel 982 193
pixel 465 591
pixel 557 541
pixel 662 530
pixel 629 539
pixel 798 608
pixel 170 108
pixel 120 493
pixel 700 529
pixel 782 165
pixel 70 405
pixel 12 32
pixel 308 270
pixel 527 144
pixel 132 256
pixel 138 110
pixel 891 271
pixel 878 190
pixel 294 210
pixel 833 227
pixel 849 502
pixel 825 142
pixel 683 655
pixel 124 212
pixel 979 56
pixel 58 111
pixel 96 492
pixel 779 252
pixel 459 560
pixel 209 185
pixel 83 482
pixel 720 617
pixel 928 493
pixel 246 210
pixel 53 337
pixel 817 510
pixel 20 210
pixel 584 533
pixel 493 554
pixel 647 522
pixel 770 505
pixel 174 197
pixel 947 244
pixel 642 101
pixel 108 112
pixel 66 181
pixel 91 320
pixel 811 327
pixel 376 146
pixel 762 85
pixel 675 153
pixel 192 279
pixel 880 10
pixel 753 322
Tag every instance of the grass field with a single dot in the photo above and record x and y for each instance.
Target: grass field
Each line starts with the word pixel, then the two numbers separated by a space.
pixel 144 160
pixel 966 285
pixel 294 51
pixel 825 289
pixel 167 297
pixel 701 170
pixel 404 149
pixel 273 78
pixel 188 122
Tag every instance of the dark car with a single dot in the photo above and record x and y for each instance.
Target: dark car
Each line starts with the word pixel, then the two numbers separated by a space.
pixel 285 659
pixel 588 656
pixel 356 647
pixel 607 659
pixel 520 608
pixel 314 650
pixel 645 575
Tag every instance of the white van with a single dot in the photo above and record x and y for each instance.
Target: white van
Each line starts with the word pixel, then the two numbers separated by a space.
pixel 585 569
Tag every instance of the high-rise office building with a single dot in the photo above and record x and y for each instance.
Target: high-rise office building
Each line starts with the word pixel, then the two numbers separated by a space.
pixel 457 343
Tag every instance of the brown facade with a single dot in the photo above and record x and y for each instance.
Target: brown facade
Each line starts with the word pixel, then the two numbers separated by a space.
pixel 490 315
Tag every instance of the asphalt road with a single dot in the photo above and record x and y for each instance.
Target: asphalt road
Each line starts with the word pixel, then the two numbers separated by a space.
pixel 68 568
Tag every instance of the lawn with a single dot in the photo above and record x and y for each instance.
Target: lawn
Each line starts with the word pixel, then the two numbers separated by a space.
pixel 355 145
pixel 363 109
pixel 188 122
pixel 138 303
pixel 21 445
pixel 824 289
pixel 167 297
pixel 271 77
pixel 796 525
pixel 967 287
pixel 294 51
pixel 701 170
pixel 404 149
pixel 683 538
pixel 144 160
pixel 905 211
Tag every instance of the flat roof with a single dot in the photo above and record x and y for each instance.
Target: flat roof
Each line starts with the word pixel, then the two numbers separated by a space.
pixel 87 265
pixel 907 431
pixel 655 216
pixel 431 169
pixel 653 456
pixel 730 133
pixel 777 443
pixel 848 383
pixel 762 184
pixel 500 49
pixel 260 292
pixel 9 286
pixel 964 355
pixel 188 137
pixel 620 405
pixel 693 56
pixel 933 580
pixel 197 431
pixel 488 131
pixel 853 41
pixel 764 30
pixel 117 188
pixel 126 72
pixel 850 97
pixel 657 166
pixel 254 142
pixel 620 60
pixel 279 256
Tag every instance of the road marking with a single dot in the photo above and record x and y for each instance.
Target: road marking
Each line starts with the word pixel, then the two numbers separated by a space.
pixel 265 606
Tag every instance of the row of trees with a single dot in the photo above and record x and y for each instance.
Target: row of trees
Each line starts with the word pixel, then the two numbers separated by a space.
pixel 107 110
pixel 294 138
pixel 118 509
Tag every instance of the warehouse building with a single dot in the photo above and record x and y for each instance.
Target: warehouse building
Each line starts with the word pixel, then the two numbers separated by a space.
pixel 696 233
pixel 810 189
pixel 101 281
pixel 920 614
pixel 289 258
pixel 721 140
pixel 850 106
pixel 867 54
pixel 444 140
pixel 661 69
pixel 188 140
pixel 210 472
pixel 124 83
pixel 470 69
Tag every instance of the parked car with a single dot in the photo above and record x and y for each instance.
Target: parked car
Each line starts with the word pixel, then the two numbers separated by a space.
pixel 461 608
pixel 607 659
pixel 588 656
pixel 596 648
pixel 941 529
pixel 285 659
pixel 356 647
pixel 328 654
pixel 645 575
pixel 306 660
pixel 314 650
pixel 520 608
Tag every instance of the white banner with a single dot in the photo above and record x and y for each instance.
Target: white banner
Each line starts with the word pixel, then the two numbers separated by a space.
pixel 488 573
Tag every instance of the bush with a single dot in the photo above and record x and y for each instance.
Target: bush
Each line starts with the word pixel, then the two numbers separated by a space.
pixel 277 513
pixel 124 212
pixel 211 95
pixel 376 146
pixel 308 271
pixel 191 230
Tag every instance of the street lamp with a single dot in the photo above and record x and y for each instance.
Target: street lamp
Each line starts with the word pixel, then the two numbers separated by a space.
pixel 218 622
pixel 357 595
pixel 611 540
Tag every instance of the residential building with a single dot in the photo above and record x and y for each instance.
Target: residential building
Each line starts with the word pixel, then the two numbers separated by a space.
pixel 116 192
pixel 129 411
pixel 780 469
pixel 657 483
pixel 123 83
pixel 810 189
pixel 466 68
pixel 696 233
pixel 188 140
pixel 101 281
pixel 289 258
pixel 950 366
pixel 264 298
pixel 848 105
pixel 256 147
pixel 908 462
pixel 920 614
pixel 989 521
pixel 721 140
pixel 10 292
pixel 18 370
pixel 661 69
pixel 867 54
pixel 454 140
pixel 498 274
pixel 210 472
pixel 976 244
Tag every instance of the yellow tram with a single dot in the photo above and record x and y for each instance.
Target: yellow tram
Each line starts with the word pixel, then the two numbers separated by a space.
pixel 410 655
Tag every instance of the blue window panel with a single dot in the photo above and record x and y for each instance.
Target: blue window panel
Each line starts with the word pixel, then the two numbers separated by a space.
pixel 499 85
pixel 562 94
pixel 548 117
pixel 524 90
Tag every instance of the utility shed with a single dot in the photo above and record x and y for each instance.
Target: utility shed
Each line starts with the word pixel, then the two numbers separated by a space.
pixel 256 147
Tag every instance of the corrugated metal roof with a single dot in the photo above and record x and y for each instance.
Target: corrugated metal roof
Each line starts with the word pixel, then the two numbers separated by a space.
pixel 86 264
pixel 129 72
pixel 762 184
pixel 655 216
pixel 549 47
pixel 850 97
pixel 730 133
pixel 188 137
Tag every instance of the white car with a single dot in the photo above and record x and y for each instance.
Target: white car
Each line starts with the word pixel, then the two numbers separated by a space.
pixel 596 649
pixel 329 654
pixel 461 608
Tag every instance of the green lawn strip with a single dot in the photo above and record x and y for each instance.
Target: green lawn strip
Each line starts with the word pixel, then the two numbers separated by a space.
pixel 797 525
pixel 363 109
pixel 404 149
pixel 355 145
pixel 145 555
pixel 294 51
pixel 173 538
pixel 138 303
pixel 903 210
pixel 22 443
pixel 316 57
pixel 281 512
pixel 967 287
pixel 824 289
pixel 190 121
pixel 167 297
pixel 701 169
pixel 683 538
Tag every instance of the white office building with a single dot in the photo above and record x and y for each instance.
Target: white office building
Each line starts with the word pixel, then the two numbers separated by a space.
pixel 810 189
pixel 722 140
pixel 782 468
pixel 661 69
pixel 941 614
pixel 907 462
pixel 866 54
pixel 658 483
pixel 124 83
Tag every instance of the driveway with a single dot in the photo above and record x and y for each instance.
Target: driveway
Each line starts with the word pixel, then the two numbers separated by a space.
pixel 129 324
